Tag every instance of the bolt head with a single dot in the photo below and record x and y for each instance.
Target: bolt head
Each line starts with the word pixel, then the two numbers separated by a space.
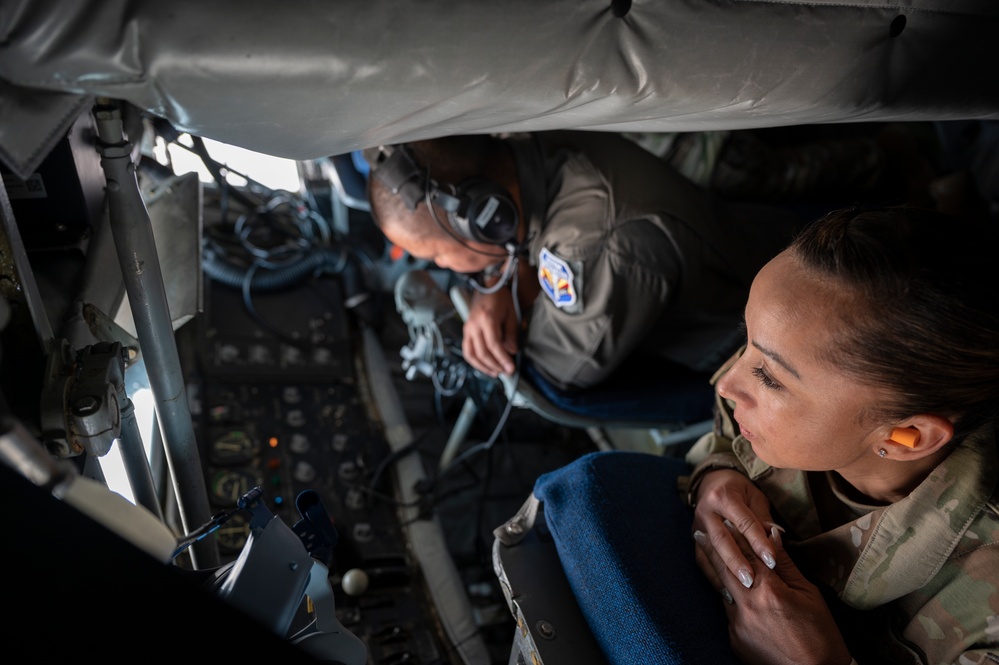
pixel 545 629
pixel 85 405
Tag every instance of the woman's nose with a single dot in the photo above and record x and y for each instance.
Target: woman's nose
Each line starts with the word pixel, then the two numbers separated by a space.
pixel 730 385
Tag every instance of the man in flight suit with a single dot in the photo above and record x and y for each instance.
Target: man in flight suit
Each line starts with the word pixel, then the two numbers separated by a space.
pixel 611 252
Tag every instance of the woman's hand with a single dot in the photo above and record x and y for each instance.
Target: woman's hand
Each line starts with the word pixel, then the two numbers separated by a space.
pixel 489 339
pixel 782 618
pixel 728 502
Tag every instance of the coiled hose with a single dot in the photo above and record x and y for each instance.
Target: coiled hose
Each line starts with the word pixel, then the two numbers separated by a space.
pixel 221 270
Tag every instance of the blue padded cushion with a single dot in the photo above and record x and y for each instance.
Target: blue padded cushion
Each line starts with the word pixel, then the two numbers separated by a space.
pixel 352 177
pixel 624 538
pixel 360 164
pixel 641 390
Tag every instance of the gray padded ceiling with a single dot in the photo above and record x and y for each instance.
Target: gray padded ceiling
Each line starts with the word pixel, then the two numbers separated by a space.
pixel 303 79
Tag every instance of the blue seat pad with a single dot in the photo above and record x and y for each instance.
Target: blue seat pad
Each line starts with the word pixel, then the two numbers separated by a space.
pixel 623 535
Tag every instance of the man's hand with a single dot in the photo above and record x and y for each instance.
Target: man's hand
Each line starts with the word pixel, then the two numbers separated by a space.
pixel 489 340
pixel 782 619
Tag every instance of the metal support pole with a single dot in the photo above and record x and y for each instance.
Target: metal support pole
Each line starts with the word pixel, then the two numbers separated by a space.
pixel 133 238
pixel 458 433
pixel 133 456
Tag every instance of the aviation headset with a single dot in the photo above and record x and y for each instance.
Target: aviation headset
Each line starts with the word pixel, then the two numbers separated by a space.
pixel 478 209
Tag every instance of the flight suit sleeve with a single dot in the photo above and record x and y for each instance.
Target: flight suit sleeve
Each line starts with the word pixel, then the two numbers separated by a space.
pixel 616 282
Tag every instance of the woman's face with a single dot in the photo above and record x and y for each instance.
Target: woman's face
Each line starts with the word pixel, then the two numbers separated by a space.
pixel 796 409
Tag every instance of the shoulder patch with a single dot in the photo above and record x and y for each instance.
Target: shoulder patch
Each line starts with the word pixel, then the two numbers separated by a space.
pixel 557 279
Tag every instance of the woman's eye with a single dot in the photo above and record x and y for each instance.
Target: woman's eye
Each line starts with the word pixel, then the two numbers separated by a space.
pixel 765 379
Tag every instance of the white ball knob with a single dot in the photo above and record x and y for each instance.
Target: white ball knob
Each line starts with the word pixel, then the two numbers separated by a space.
pixel 354 582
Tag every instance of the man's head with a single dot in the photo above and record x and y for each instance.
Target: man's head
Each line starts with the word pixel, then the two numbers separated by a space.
pixel 451 200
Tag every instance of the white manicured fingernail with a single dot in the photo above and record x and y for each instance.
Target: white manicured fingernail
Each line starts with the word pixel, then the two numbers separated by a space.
pixel 768 559
pixel 745 577
pixel 727 595
pixel 701 538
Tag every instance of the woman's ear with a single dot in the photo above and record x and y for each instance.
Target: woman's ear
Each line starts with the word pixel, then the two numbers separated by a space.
pixel 919 436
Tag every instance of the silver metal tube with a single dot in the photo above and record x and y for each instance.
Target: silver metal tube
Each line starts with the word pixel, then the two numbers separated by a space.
pixel 133 456
pixel 22 452
pixel 143 278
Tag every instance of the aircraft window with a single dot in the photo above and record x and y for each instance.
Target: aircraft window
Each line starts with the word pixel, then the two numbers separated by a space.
pixel 112 464
pixel 273 172
pixel 270 171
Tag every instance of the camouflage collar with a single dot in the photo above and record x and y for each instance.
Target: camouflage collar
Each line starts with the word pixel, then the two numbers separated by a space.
pixel 911 539
pixel 892 550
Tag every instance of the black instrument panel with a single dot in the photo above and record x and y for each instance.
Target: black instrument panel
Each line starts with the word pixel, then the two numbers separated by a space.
pixel 281 406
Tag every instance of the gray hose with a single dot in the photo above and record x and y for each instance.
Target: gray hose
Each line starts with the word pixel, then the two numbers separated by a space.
pixel 231 275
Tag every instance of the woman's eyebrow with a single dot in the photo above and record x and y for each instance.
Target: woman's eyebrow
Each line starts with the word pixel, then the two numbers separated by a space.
pixel 777 358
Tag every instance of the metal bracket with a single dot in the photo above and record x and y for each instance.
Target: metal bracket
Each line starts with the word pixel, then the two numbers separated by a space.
pixel 95 394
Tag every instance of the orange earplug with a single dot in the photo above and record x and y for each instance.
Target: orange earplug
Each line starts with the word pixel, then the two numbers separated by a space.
pixel 906 436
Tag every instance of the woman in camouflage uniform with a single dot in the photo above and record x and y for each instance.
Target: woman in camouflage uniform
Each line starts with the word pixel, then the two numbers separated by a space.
pixel 846 504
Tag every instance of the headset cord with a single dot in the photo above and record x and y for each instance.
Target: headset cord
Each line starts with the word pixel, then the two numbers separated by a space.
pixel 432 487
pixel 509 271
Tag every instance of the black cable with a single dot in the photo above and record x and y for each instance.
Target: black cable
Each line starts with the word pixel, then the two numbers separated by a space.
pixel 303 251
pixel 364 296
pixel 255 315
pixel 432 486
pixel 224 205
pixel 439 406
pixel 453 491
pixel 300 252
pixel 480 512
pixel 396 455
pixel 391 500
pixel 215 169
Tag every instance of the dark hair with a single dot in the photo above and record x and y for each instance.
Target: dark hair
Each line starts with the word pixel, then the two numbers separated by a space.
pixel 927 321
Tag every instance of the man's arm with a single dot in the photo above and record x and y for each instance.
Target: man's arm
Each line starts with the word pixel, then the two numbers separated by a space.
pixel 621 281
pixel 490 336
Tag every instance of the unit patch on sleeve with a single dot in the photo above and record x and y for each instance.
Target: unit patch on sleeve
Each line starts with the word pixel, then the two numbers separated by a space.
pixel 558 281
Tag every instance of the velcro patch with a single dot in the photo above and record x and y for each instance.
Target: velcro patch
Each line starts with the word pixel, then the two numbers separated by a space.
pixel 557 279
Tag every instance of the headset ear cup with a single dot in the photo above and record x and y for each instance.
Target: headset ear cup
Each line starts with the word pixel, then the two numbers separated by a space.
pixel 486 213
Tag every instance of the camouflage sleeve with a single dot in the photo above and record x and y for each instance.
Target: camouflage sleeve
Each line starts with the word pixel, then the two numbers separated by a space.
pixel 714 449
pixel 954 617
pixel 979 657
